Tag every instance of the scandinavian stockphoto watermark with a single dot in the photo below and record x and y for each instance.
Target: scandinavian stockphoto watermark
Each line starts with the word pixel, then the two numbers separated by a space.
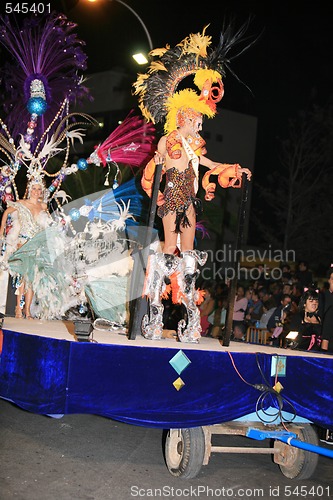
pixel 227 263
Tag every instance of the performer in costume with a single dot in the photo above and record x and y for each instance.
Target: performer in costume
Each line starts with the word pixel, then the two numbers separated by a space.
pixel 24 219
pixel 181 150
pixel 40 83
pixel 178 203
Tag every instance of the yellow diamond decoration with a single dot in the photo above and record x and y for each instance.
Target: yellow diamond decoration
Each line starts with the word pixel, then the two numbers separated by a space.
pixel 178 384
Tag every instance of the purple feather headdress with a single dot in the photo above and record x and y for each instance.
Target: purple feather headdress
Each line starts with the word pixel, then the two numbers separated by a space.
pixel 42 82
pixel 41 78
pixel 47 63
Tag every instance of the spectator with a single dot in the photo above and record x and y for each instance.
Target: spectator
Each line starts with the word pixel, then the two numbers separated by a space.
pixel 286 273
pixel 263 278
pixel 327 331
pixel 220 315
pixel 285 268
pixel 240 306
pixel 297 293
pixel 326 296
pixel 265 294
pixel 268 308
pixel 254 309
pixel 287 289
pixel 248 295
pixel 307 322
pixel 326 311
pixel 206 308
pixel 221 289
pixel 304 275
pixel 276 289
pixel 278 321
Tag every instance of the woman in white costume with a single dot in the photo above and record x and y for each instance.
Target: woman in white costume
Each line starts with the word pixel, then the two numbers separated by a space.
pixel 24 219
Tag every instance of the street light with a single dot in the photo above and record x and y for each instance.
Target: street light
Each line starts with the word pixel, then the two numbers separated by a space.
pixel 139 58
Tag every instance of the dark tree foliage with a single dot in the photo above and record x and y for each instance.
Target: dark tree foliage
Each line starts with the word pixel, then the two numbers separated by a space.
pixel 299 191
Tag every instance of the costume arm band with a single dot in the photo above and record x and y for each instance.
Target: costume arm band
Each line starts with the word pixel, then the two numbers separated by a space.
pixel 228 176
pixel 148 180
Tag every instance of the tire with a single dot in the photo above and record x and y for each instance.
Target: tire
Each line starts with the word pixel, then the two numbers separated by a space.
pixel 302 463
pixel 184 452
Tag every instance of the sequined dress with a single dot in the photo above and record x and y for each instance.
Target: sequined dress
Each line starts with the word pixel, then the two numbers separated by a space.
pixel 178 195
pixel 34 255
pixel 24 226
pixel 30 225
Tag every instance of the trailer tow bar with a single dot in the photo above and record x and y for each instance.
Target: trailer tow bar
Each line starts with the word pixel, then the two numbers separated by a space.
pixel 288 438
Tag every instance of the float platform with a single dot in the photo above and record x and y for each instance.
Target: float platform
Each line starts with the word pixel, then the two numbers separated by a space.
pixel 164 384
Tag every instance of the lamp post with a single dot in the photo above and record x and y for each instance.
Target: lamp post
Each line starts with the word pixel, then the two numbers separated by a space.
pixel 140 21
pixel 150 43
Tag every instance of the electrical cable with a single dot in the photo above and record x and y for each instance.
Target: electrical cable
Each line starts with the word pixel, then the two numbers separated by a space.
pixel 267 391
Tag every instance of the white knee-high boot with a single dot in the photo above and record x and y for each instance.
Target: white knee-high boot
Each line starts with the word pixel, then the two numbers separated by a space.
pixel 190 332
pixel 161 266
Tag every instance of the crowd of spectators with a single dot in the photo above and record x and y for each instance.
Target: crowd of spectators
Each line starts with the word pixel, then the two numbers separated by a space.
pixel 293 303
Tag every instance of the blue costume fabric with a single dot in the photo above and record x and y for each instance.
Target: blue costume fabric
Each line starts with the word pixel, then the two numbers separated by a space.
pixel 105 207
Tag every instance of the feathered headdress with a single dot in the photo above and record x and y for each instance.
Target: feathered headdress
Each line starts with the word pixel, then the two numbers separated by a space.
pixel 41 81
pixel 159 99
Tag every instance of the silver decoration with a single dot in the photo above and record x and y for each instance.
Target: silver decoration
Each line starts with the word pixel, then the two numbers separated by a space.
pixel 37 89
pixel 160 266
pixel 190 333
